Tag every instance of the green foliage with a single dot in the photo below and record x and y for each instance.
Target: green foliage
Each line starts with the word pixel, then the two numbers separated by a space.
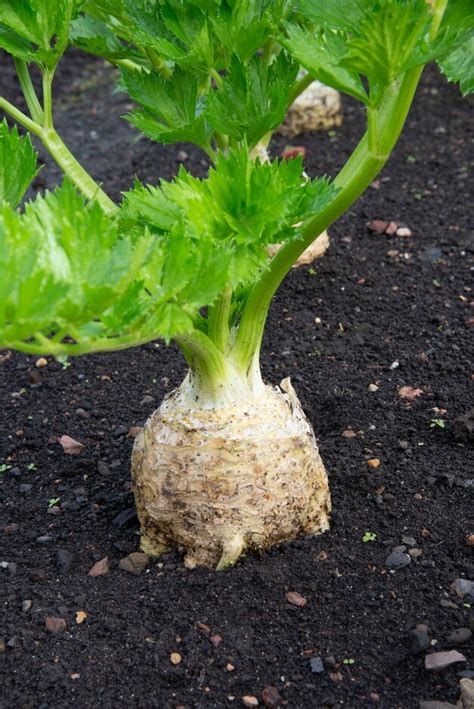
pixel 169 108
pixel 36 30
pixel 240 209
pixel 93 36
pixel 384 40
pixel 244 26
pixel 252 98
pixel 70 271
pixel 17 165
pixel 339 42
pixel 219 74
pixel 458 66
pixel 321 54
pixel 184 46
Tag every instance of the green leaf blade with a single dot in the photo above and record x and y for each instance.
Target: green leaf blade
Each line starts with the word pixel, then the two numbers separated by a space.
pixel 18 165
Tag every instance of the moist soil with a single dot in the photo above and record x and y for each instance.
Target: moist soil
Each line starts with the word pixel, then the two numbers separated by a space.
pixel 377 310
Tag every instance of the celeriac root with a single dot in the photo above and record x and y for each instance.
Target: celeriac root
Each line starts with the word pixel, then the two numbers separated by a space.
pixel 317 108
pixel 315 250
pixel 213 482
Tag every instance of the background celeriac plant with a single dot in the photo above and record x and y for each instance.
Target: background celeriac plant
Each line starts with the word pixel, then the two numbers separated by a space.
pixel 187 260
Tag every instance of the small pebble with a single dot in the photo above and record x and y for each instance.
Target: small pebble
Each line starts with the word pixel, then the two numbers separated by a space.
pixel 459 636
pixel 373 387
pixel 296 599
pixel 463 587
pixel 55 625
pixel 445 603
pixel 420 639
pixel 404 231
pixel 100 568
pixel 316 665
pixel 64 560
pixel 45 539
pixel 26 605
pixel 391 228
pixel 271 697
pixel 80 617
pixel 71 446
pixel 134 563
pixel 175 658
pixel 397 560
pixel 394 365
pixel 409 541
pixel 249 701
pixel 373 462
pixel 440 660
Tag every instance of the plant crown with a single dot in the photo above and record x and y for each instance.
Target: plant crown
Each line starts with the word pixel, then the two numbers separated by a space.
pixel 187 259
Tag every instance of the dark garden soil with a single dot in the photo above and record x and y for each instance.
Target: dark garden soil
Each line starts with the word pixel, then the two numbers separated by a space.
pixel 377 313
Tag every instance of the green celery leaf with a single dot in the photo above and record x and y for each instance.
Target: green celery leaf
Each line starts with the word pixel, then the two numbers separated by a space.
pixel 385 39
pixel 19 16
pixel 169 108
pixel 175 31
pixel 345 15
pixel 321 53
pixel 458 66
pixel 93 36
pixel 43 23
pixel 69 270
pixel 244 26
pixel 17 165
pixel 252 99
pixel 232 215
pixel 15 45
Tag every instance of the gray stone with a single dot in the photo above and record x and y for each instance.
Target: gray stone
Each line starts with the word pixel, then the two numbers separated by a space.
pixel 45 539
pixel 147 400
pixel 64 560
pixel 397 560
pixel 134 563
pixel 409 541
pixel 440 660
pixel 431 254
pixel 445 603
pixel 102 468
pixel 463 587
pixel 420 639
pixel 459 636
pixel 316 664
